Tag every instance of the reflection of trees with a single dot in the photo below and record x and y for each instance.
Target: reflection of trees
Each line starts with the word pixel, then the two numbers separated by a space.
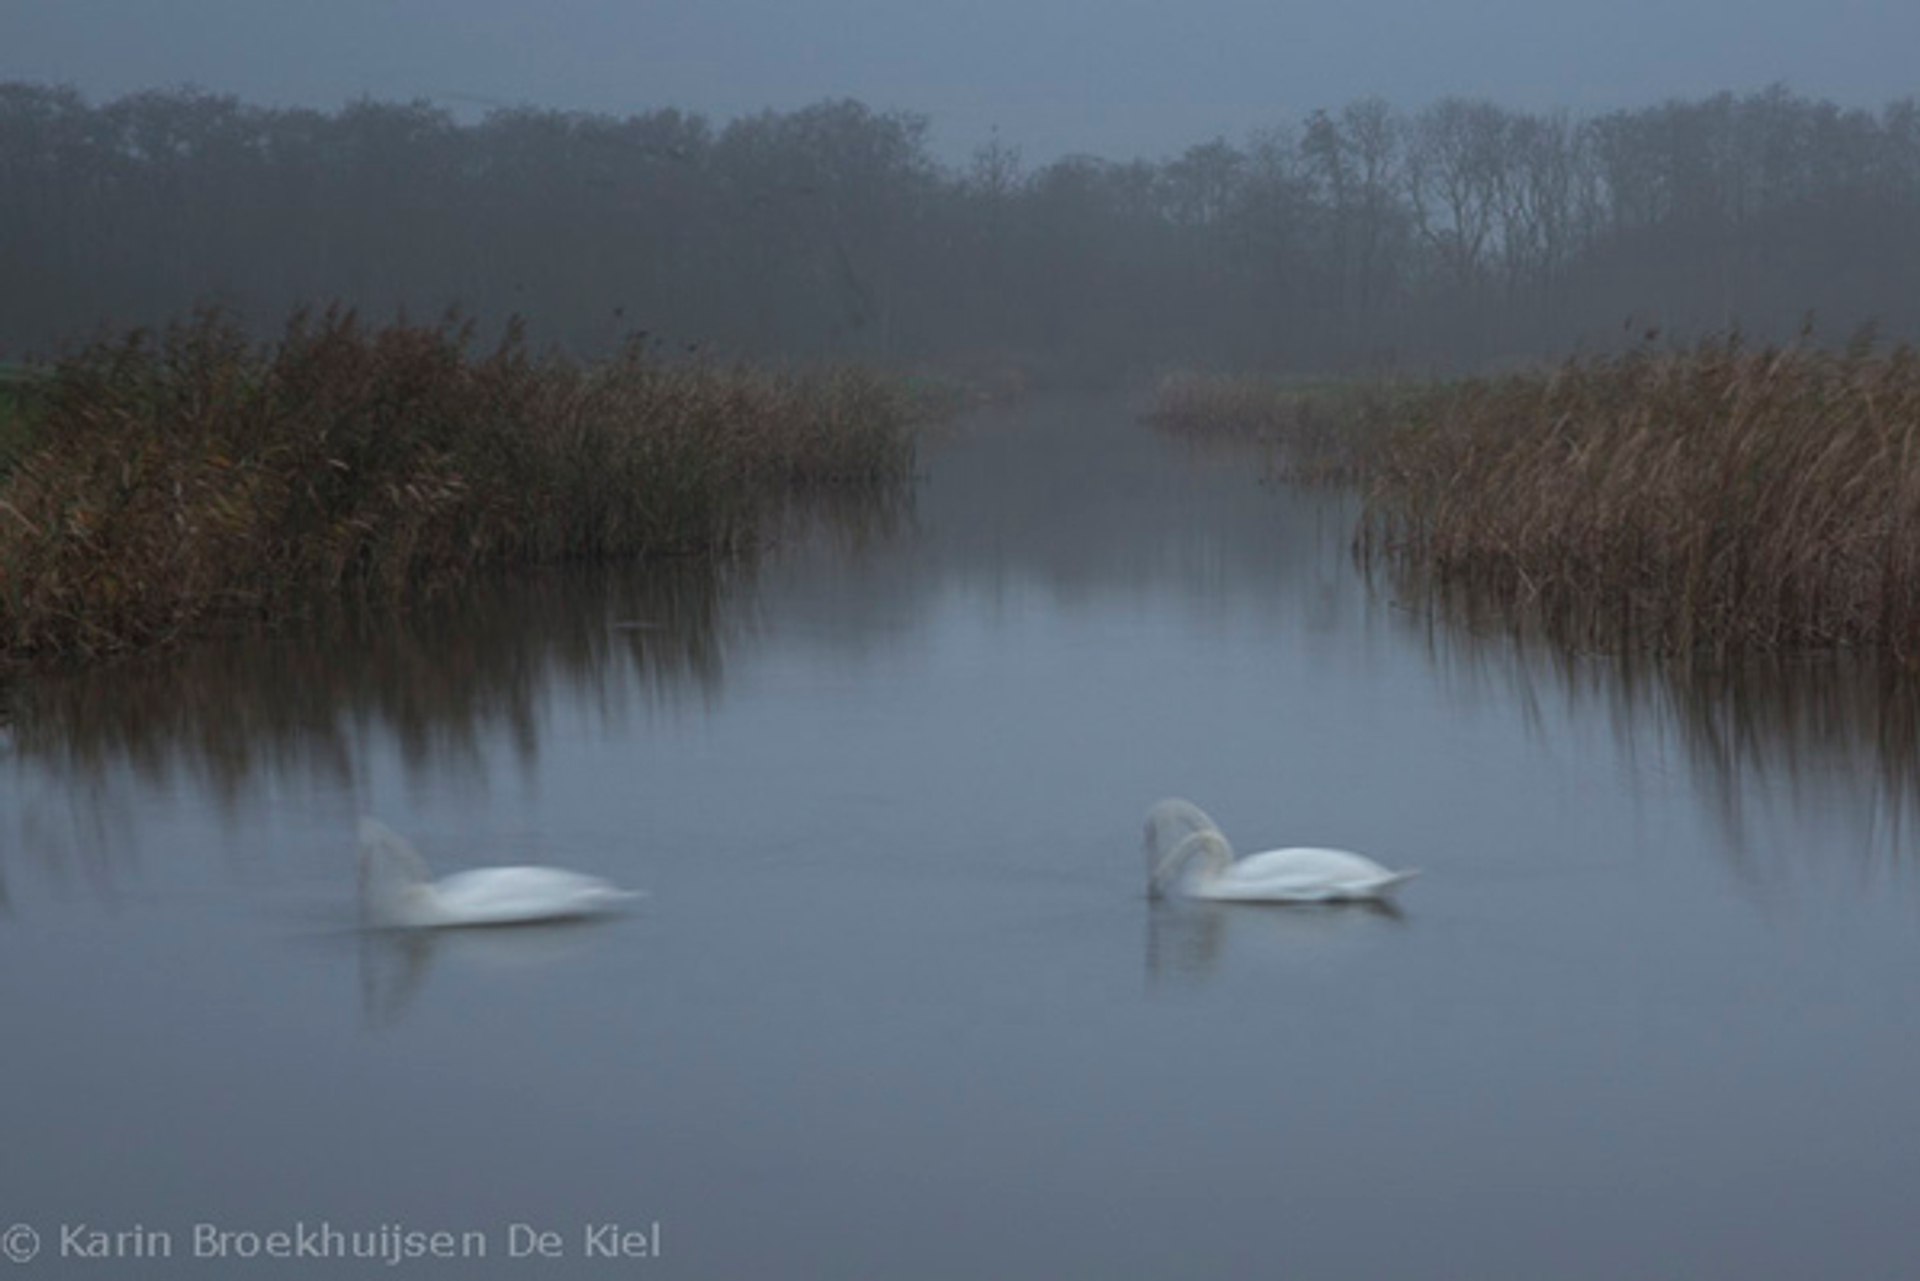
pixel 441 679
pixel 446 682
pixel 1831 738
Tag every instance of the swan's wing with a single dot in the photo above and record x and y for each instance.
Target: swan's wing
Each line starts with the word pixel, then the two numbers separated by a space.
pixel 1170 825
pixel 1304 875
pixel 516 895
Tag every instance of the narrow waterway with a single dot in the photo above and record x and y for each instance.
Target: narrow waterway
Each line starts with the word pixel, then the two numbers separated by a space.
pixel 897 1005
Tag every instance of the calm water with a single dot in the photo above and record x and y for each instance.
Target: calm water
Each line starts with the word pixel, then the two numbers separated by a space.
pixel 897 1006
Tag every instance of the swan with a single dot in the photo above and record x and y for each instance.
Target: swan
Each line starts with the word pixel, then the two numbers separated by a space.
pixel 1188 854
pixel 395 892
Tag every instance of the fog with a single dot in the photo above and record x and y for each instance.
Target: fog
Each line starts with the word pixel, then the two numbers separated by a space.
pixel 1087 194
pixel 1121 80
pixel 1461 235
pixel 1649 1006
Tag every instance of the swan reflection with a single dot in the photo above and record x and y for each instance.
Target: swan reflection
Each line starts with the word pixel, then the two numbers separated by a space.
pixel 505 917
pixel 1188 940
pixel 394 964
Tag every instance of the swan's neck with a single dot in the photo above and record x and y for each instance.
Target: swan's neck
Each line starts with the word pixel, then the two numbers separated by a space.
pixel 1201 856
pixel 393 890
pixel 1182 845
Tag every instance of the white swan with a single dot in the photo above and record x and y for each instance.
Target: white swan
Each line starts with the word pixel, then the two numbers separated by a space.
pixel 1188 854
pixel 395 891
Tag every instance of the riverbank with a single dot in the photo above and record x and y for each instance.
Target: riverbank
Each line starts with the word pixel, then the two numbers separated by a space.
pixel 162 483
pixel 1713 499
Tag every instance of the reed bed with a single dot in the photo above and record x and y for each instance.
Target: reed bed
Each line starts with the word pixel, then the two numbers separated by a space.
pixel 168 480
pixel 17 416
pixel 1713 500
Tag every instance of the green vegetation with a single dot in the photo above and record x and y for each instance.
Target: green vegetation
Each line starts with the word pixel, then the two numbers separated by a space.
pixel 161 483
pixel 1711 500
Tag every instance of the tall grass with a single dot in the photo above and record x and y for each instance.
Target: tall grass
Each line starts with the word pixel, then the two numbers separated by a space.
pixel 1704 501
pixel 17 416
pixel 167 480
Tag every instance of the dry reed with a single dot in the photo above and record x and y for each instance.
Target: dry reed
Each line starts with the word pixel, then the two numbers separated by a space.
pixel 175 479
pixel 1707 501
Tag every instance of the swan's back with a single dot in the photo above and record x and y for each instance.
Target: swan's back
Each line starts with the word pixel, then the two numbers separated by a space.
pixel 395 891
pixel 521 895
pixel 1188 854
pixel 1304 874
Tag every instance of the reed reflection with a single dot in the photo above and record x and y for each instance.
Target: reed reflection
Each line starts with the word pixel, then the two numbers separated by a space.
pixel 448 685
pixel 1775 744
pixel 441 679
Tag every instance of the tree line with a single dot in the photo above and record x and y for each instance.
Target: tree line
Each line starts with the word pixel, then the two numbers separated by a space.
pixel 1458 235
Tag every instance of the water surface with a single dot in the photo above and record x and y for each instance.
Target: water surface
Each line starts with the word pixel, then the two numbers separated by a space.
pixel 897 1005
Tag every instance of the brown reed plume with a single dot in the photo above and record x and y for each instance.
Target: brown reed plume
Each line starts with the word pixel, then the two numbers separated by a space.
pixel 176 478
pixel 1704 501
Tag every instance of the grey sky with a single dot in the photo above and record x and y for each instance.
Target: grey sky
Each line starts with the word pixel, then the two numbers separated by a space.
pixel 1115 78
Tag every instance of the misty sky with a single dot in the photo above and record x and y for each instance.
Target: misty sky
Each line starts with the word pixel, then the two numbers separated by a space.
pixel 1114 78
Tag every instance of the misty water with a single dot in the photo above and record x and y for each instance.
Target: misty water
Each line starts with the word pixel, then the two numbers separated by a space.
pixel 897 1005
